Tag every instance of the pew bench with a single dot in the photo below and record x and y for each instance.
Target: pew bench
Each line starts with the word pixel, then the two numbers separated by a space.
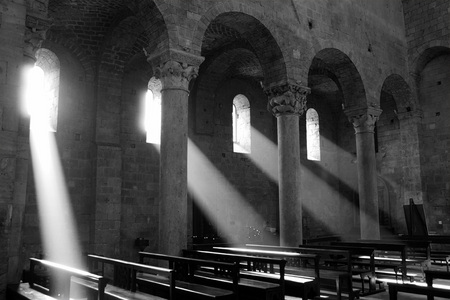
pixel 258 279
pixel 429 290
pixel 440 258
pixel 389 255
pixel 299 285
pixel 363 273
pixel 329 277
pixel 122 276
pixel 187 285
pixel 49 280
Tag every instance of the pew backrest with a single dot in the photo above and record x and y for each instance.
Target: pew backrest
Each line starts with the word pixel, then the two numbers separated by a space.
pixel 60 278
pixel 124 272
pixel 186 267
pixel 245 262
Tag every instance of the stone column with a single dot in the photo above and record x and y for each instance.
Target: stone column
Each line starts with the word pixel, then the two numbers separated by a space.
pixel 175 69
pixel 287 103
pixel 364 123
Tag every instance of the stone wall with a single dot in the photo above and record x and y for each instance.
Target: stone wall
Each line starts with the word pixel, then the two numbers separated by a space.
pixel 435 139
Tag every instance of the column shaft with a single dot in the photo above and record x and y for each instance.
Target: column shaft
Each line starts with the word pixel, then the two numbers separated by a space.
pixel 364 120
pixel 291 232
pixel 367 186
pixel 173 171
pixel 287 103
pixel 174 69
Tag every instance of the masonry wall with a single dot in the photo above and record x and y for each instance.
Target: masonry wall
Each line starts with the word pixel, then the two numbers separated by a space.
pixel 426 24
pixel 13 142
pixel 389 167
pixel 326 190
pixel 435 139
pixel 256 205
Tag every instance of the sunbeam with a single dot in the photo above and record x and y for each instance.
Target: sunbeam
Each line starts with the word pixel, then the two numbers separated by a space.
pixel 218 199
pixel 58 231
pixel 264 155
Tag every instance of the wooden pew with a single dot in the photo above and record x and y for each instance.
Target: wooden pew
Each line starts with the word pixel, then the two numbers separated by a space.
pixel 248 288
pixel 122 275
pixel 185 270
pixel 353 266
pixel 438 245
pixel 304 286
pixel 54 281
pixel 336 279
pixel 429 290
pixel 388 255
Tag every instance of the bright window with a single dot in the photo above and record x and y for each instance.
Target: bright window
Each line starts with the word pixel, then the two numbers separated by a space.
pixel 241 124
pixel 42 91
pixel 312 135
pixel 153 111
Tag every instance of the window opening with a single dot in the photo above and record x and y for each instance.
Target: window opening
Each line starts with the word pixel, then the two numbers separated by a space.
pixel 43 91
pixel 312 135
pixel 153 112
pixel 241 124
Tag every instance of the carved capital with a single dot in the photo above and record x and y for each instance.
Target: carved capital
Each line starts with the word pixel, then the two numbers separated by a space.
pixel 175 75
pixel 363 119
pixel 36 29
pixel 287 99
pixel 175 68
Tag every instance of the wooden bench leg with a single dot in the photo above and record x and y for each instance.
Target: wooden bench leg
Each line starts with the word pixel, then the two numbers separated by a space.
pixel 338 288
pixel 392 293
pixel 362 281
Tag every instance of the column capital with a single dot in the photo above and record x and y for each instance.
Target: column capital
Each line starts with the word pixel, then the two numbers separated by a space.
pixel 363 119
pixel 36 27
pixel 175 68
pixel 287 99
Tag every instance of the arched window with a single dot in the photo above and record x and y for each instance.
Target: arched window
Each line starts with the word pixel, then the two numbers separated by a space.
pixel 241 124
pixel 312 135
pixel 43 91
pixel 153 111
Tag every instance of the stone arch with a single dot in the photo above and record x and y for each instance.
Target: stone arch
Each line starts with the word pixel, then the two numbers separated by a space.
pixel 338 68
pixel 217 70
pixel 426 54
pixel 156 27
pixel 230 21
pixel 56 44
pixel 399 89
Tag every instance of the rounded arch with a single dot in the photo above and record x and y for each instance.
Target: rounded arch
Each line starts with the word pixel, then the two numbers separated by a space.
pixel 227 22
pixel 399 89
pixel 333 70
pixel 57 45
pixel 427 53
pixel 155 28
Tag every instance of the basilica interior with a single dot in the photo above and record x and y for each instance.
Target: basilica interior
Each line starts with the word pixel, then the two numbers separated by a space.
pixel 162 125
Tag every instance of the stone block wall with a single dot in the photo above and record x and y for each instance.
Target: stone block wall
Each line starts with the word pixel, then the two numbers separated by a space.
pixel 426 23
pixel 240 171
pixel 435 139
